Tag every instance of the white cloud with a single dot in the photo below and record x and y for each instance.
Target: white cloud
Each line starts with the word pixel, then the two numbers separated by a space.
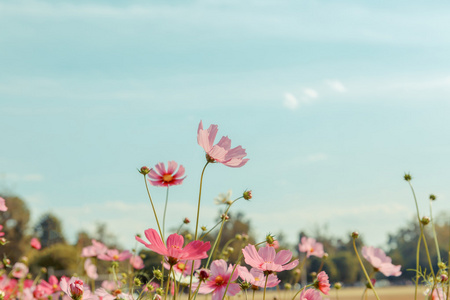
pixel 336 85
pixel 290 101
pixel 310 93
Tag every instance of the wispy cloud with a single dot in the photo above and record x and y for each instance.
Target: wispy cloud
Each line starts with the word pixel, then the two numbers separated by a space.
pixel 336 85
pixel 310 93
pixel 290 101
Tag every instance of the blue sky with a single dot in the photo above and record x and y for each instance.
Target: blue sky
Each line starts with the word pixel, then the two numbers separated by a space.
pixel 333 102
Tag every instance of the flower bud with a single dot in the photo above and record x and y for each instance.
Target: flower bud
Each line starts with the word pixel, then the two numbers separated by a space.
pixel 313 274
pixel 432 197
pixel 188 236
pixel 7 262
pixel 245 285
pixel 425 220
pixel 76 289
pixel 144 170
pixel 124 275
pixel 355 234
pixel 186 221
pixel 270 239
pixel 443 277
pixel 160 291
pixel 150 287
pixel 407 177
pixel 287 286
pixel 238 237
pixel 44 270
pixel 158 274
pixel 325 256
pixel 247 195
pixel 297 272
pixel 225 217
pixel 2 241
pixel 203 274
pixel 203 228
pixel 137 281
pixel 230 249
pixel 115 264
pixel 244 237
pixel 338 285
pixel 442 266
pixel 373 280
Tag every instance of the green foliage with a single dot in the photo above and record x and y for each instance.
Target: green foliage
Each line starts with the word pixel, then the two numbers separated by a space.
pixel 60 257
pixel 49 230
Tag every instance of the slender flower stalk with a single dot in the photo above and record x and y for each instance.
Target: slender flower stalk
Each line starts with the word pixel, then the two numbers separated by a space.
pixel 265 285
pixel 168 283
pixel 164 215
pixel 364 269
pixel 417 267
pixel 153 207
pixel 432 197
pixel 299 291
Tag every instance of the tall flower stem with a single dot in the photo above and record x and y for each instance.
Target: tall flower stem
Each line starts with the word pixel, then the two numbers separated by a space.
pixel 364 269
pixel 168 283
pixel 265 285
pixel 417 267
pixel 199 199
pixel 434 233
pixel 154 211
pixel 219 235
pixel 422 233
pixel 164 215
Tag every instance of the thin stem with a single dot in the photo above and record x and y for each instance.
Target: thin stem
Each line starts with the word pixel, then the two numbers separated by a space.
pixel 209 231
pixel 434 233
pixel 165 210
pixel 265 286
pixel 298 292
pixel 364 270
pixel 154 211
pixel 417 266
pixel 168 283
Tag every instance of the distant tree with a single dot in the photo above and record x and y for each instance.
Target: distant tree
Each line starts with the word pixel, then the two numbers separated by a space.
pixel 49 230
pixel 15 226
pixel 59 257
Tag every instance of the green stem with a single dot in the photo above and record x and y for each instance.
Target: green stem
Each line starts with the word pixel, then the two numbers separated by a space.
pixel 417 266
pixel 298 292
pixel 434 233
pixel 364 270
pixel 265 285
pixel 168 283
pixel 165 210
pixel 209 231
pixel 154 211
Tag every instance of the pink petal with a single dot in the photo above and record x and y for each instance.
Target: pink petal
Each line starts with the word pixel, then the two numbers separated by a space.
pixel 218 153
pixel 283 257
pixel 291 265
pixel 175 240
pixel 154 175
pixel 156 244
pixel 171 167
pixel 267 253
pixel 224 143
pixel 237 152
pixel 179 173
pixel 236 162
pixel 160 168
pixel 252 257
pixel 218 267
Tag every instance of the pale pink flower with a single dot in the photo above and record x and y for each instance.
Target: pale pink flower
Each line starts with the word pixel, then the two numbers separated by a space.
pixel 76 290
pixel 95 249
pixel 218 281
pixel 116 294
pixel 174 251
pixel 35 243
pixel 90 268
pixel 19 270
pixel 266 259
pixel 111 285
pixel 137 262
pixel 257 278
pixel 380 261
pixel 184 266
pixel 311 247
pixel 3 205
pixel 321 283
pixel 221 152
pixel 163 177
pixel 310 294
pixel 115 255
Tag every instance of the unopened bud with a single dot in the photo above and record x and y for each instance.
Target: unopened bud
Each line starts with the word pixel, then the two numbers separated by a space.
pixel 338 285
pixel 137 281
pixel 44 270
pixel 160 291
pixel 313 274
pixel 373 280
pixel 123 281
pixel 230 249
pixel 432 197
pixel 115 264
pixel 325 256
pixel 158 274
pixel 444 277
pixel 150 287
pixel 144 170
pixel 247 195
pixel 297 272
pixel 188 236
pixel 355 234
pixel 24 259
pixel 186 221
pixel 6 262
pixel 225 217
pixel 442 266
pixel 238 237
pixel 203 228
pixel 124 275
pixel 245 285
pixel 407 177
pixel 287 286
pixel 2 241
pixel 143 256
pixel 244 237
pixel 270 239
pixel 425 220
pixel 203 274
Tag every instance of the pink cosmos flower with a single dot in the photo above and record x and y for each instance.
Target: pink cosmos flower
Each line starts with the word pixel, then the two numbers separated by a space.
pixel 163 177
pixel 174 250
pixel 115 255
pixel 19 270
pixel 75 289
pixel 116 294
pixel 90 268
pixel 35 243
pixel 3 205
pixel 310 294
pixel 221 152
pixel 266 259
pixel 184 267
pixel 137 262
pixel 95 249
pixel 380 261
pixel 438 294
pixel 218 281
pixel 321 283
pixel 311 247
pixel 257 278
pixel 52 285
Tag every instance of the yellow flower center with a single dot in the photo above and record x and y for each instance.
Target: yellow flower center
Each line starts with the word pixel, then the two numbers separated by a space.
pixel 116 257
pixel 181 266
pixel 167 178
pixel 219 280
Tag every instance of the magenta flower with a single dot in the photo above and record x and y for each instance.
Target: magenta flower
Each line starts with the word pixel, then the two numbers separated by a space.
pixel 310 294
pixel 221 152
pixel 380 261
pixel 35 243
pixel 174 251
pixel 321 283
pixel 3 205
pixel 115 255
pixel 257 278
pixel 311 247
pixel 163 177
pixel 95 249
pixel 266 259
pixel 218 281
pixel 184 267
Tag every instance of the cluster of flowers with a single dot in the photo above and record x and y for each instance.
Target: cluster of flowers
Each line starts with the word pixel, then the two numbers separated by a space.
pixel 187 265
